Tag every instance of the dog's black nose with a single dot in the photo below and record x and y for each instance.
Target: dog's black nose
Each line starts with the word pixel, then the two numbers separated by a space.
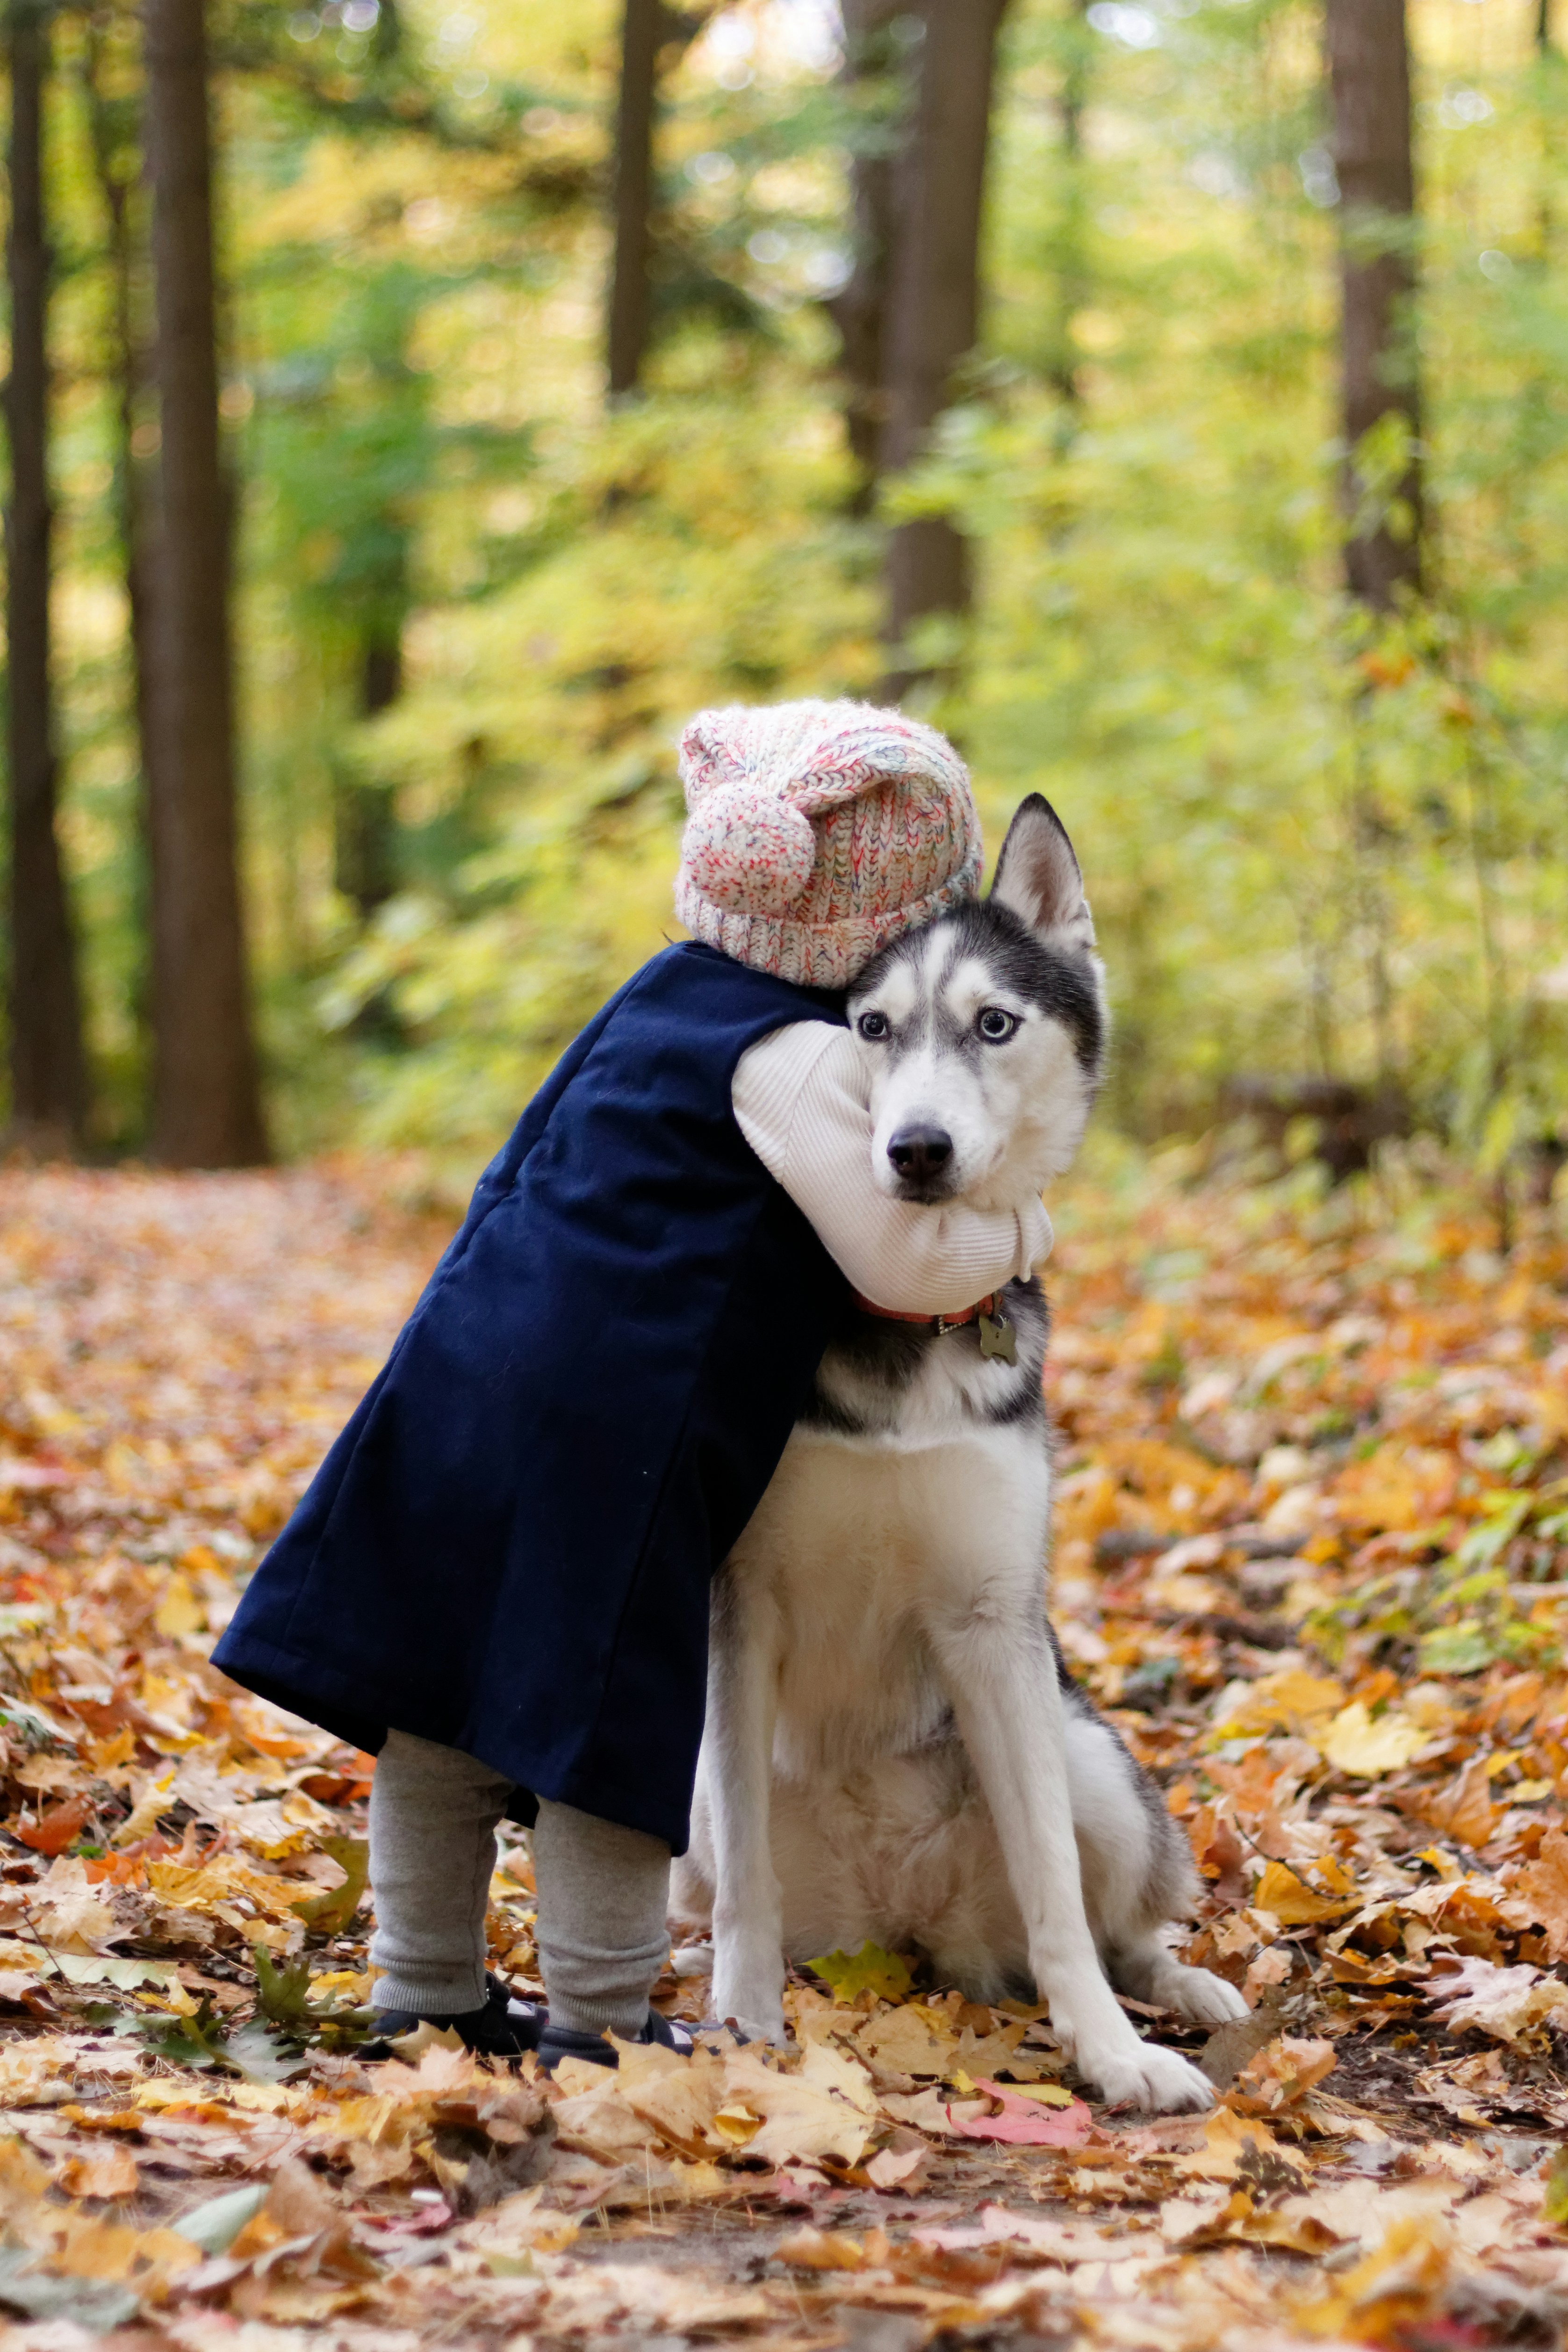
pixel 920 1152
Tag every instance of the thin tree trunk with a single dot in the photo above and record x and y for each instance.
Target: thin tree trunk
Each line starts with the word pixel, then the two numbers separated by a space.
pixel 1369 78
pixel 130 364
pixel 365 822
pixel 1072 271
pixel 48 1066
pixel 934 297
pixel 206 1109
pixel 130 488
pixel 859 310
pixel 630 304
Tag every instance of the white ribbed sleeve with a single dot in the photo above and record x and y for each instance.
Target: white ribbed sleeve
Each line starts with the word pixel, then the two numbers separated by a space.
pixel 801 1100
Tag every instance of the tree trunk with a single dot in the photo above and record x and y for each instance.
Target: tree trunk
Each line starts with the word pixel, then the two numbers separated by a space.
pixel 132 501
pixel 49 1067
pixel 207 1110
pixel 934 296
pixel 859 312
pixel 1072 270
pixel 641 32
pixel 364 822
pixel 1369 78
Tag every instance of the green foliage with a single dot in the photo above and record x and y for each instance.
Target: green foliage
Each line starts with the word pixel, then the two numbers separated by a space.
pixel 1315 846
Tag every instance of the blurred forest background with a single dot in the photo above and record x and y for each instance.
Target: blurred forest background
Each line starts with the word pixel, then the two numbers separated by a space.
pixel 1170 400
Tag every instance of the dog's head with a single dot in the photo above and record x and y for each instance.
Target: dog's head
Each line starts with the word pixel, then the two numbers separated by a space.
pixel 984 1031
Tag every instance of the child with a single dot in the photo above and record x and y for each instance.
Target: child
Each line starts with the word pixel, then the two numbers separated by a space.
pixel 498 1578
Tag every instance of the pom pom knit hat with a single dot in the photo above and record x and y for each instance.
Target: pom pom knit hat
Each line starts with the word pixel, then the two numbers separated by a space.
pixel 817 832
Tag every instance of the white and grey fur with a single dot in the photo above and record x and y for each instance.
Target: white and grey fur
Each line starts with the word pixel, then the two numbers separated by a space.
pixel 894 1749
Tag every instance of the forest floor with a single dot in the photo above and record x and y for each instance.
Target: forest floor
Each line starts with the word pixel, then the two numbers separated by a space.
pixel 1312 1554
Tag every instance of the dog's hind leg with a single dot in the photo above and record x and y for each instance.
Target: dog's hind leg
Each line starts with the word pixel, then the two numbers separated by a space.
pixel 993 1650
pixel 747 1904
pixel 1137 1873
pixel 692 1872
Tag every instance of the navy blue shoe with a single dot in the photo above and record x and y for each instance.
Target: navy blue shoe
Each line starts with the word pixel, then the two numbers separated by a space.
pixel 504 2028
pixel 559 2041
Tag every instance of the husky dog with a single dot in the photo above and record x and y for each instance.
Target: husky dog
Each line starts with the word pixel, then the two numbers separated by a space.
pixel 894 1750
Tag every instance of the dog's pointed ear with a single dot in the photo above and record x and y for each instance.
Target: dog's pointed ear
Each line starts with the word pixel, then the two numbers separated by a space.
pixel 1038 877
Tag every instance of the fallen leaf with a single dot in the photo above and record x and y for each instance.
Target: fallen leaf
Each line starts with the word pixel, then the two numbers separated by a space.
pixel 1355 1744
pixel 179 1611
pixel 56 1827
pixel 1233 2044
pixel 907 2041
pixel 1390 2288
pixel 820 2250
pixel 1226 2145
pixel 798 2119
pixel 1290 1700
pixel 329 1914
pixel 870 1969
pixel 1504 2002
pixel 1020 2121
pixel 1284 2071
pixel 1288 1896
pixel 108 2172
pixel 900 2168
pixel 1542 1884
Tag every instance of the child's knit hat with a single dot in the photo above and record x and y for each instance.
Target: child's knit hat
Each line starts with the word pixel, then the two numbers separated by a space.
pixel 817 832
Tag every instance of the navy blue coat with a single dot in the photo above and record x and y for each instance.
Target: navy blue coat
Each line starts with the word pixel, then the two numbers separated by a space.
pixel 509 1547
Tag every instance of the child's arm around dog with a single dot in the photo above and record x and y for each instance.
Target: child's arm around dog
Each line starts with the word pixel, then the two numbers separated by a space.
pixel 800 1097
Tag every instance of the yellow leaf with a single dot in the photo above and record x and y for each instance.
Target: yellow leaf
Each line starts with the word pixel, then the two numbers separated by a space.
pixel 800 2119
pixel 737 2124
pixel 179 1611
pixel 1228 2143
pixel 1354 1744
pixel 871 1970
pixel 905 2039
pixel 1290 1700
pixel 1292 1901
pixel 1396 2283
pixel 143 1817
pixel 329 1914
pixel 820 2250
pixel 207 1886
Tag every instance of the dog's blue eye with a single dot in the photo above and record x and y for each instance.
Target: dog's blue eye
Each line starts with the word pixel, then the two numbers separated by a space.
pixel 995 1024
pixel 873 1024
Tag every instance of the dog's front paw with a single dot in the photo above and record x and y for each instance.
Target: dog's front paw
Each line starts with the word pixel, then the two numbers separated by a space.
pixel 1157 2082
pixel 755 2012
pixel 751 1996
pixel 771 2029
pixel 1200 1997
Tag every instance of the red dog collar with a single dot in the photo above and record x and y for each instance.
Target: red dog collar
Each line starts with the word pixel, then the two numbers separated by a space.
pixel 940 1324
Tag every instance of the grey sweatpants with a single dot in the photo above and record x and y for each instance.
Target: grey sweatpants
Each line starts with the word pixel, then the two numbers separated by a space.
pixel 603 1891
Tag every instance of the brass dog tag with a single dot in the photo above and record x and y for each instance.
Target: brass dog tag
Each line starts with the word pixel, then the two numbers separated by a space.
pixel 997 1338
